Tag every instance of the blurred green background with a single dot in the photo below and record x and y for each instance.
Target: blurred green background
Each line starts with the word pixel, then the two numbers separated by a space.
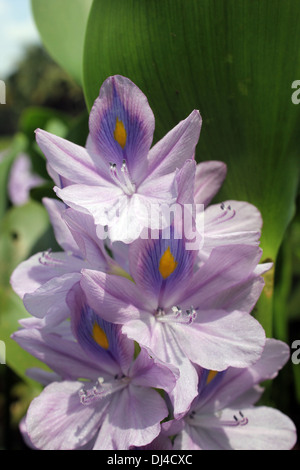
pixel 235 62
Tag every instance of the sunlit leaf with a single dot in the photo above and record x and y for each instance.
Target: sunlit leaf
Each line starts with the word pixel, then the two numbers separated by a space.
pixel 62 25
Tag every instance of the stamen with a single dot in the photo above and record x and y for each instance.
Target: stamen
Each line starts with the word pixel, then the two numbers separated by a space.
pixel 178 316
pixel 123 179
pixel 47 260
pixel 101 389
pixel 242 421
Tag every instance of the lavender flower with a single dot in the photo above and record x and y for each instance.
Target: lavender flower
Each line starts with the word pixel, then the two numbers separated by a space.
pixel 44 280
pixel 117 176
pixel 105 399
pixel 223 416
pixel 184 315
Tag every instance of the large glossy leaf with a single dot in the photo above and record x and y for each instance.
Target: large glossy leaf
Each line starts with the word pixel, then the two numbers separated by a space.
pixel 62 25
pixel 235 62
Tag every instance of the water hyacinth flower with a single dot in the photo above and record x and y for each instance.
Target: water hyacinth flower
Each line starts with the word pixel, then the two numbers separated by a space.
pixel 44 280
pixel 21 180
pixel 223 416
pixel 184 315
pixel 105 398
pixel 117 175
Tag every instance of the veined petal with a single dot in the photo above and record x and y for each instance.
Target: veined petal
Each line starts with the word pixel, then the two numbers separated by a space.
pixel 49 300
pixel 235 339
pixel 69 160
pixel 209 178
pixel 100 339
pixel 83 230
pixel 97 201
pixel 133 419
pixel 62 355
pixel 226 267
pixel 114 298
pixel 175 148
pixel 161 266
pixel 232 222
pixel 262 428
pixel 56 420
pixel 62 233
pixel 122 125
pixel 232 388
pixel 147 371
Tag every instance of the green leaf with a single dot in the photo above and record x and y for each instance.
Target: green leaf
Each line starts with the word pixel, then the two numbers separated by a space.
pixel 62 26
pixel 21 231
pixel 235 62
pixel 13 310
pixel 24 230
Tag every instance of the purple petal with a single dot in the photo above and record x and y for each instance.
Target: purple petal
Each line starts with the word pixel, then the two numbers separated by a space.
pixel 99 338
pixel 209 178
pixel 232 222
pixel 62 233
pixel 133 419
pixel 56 420
pixel 147 371
pixel 50 299
pixel 63 356
pixel 226 267
pixel 69 160
pixel 162 266
pixel 234 339
pixel 236 382
pixel 22 180
pixel 175 148
pixel 121 101
pixel 263 429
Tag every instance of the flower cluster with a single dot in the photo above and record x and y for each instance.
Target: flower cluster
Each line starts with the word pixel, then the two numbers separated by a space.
pixel 144 317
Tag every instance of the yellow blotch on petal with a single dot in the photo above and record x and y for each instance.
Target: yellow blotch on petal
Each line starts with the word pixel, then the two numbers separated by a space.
pixel 167 264
pixel 100 337
pixel 211 375
pixel 120 134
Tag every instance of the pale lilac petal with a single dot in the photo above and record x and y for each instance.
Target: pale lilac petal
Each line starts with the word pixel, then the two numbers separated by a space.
pixel 235 339
pixel 121 99
pixel 175 148
pixel 265 429
pixel 63 356
pixel 232 222
pixel 83 230
pixel 62 233
pixel 209 178
pixel 50 299
pixel 159 339
pixel 56 420
pixel 236 382
pixel 147 371
pixel 114 298
pixel 185 179
pixel 41 268
pixel 99 201
pixel 116 355
pixel 133 419
pixel 22 180
pixel 69 160
pixel 225 267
